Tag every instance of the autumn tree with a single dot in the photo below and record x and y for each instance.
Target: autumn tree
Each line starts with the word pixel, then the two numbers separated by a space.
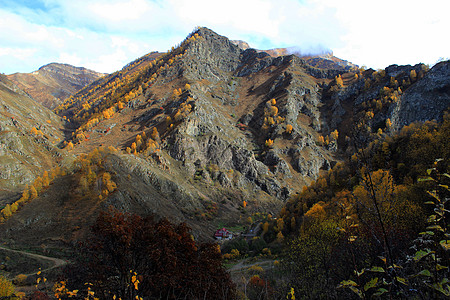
pixel 169 262
pixel 339 81
pixel 269 143
pixel 289 129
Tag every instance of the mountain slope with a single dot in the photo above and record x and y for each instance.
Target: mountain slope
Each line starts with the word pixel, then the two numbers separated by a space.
pixel 29 134
pixel 53 83
pixel 207 133
pixel 200 131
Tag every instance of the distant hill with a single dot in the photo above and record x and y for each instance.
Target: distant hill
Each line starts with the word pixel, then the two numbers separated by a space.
pixel 53 83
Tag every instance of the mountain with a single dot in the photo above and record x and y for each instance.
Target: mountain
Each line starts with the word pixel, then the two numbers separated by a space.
pixel 211 134
pixel 322 60
pixel 29 135
pixel 53 83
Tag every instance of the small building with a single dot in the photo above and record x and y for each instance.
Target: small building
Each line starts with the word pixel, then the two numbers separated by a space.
pixel 223 234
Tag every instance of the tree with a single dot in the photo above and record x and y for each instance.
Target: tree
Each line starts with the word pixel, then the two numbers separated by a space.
pixel 7 290
pixel 289 128
pixel 413 75
pixel 170 264
pixel 334 135
pixel 339 81
pixel 69 146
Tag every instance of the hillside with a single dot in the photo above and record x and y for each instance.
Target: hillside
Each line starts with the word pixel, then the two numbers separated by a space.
pixel 211 134
pixel 29 135
pixel 53 83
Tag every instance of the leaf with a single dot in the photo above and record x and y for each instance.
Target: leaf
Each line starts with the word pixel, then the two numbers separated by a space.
pixel 445 244
pixel 435 227
pixel 427 232
pixel 444 186
pixel 425 179
pixel 424 273
pixel 440 267
pixel 359 273
pixel 431 218
pixel 401 280
pixel 377 269
pixel 380 292
pixel 438 287
pixel 356 291
pixel 429 202
pixel 372 283
pixel 382 258
pixel 346 283
pixel 421 254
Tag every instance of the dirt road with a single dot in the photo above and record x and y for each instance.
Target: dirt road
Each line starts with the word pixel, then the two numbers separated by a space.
pixel 57 262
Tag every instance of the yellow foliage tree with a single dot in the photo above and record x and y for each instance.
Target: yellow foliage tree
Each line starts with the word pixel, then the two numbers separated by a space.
pixel 339 81
pixel 155 134
pixel 413 75
pixel 269 143
pixel 289 129
pixel 388 123
pixel 7 290
pixel 273 110
pixel 265 227
pixel 317 211
pixel 280 224
pixel 280 237
pixel 321 140
pixel 69 146
pixel 33 192
pixel 334 135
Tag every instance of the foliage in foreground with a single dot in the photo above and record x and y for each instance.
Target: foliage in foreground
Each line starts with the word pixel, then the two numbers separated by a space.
pixel 163 257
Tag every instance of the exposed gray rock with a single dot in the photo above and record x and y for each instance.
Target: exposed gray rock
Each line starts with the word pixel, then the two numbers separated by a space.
pixel 424 100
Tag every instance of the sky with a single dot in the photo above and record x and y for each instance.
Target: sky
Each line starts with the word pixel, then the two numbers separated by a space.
pixel 105 35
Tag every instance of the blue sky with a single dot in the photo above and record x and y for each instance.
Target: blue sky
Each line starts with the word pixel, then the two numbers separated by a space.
pixel 104 35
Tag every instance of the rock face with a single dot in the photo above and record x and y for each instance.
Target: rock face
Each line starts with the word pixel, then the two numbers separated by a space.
pixel 426 99
pixel 53 83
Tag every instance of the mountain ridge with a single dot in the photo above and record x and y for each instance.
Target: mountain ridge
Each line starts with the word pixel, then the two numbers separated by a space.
pixel 210 134
pixel 54 82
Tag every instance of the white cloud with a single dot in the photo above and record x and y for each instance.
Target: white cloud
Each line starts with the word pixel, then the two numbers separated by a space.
pixel 107 34
pixel 384 32
pixel 119 11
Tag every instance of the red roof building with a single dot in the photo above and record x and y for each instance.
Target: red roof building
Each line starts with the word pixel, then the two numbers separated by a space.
pixel 223 234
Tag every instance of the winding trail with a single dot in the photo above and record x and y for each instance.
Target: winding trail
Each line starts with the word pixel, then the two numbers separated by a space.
pixel 57 262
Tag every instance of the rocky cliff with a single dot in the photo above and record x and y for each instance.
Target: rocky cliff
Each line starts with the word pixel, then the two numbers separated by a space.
pixel 425 100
